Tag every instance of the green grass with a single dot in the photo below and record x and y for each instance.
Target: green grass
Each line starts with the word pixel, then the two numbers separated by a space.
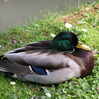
pixel 80 88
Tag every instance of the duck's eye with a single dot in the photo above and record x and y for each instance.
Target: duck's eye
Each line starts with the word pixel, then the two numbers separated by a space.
pixel 80 44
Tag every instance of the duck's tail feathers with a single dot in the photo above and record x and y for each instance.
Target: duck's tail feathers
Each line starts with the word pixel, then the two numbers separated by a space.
pixel 2 58
pixel 8 66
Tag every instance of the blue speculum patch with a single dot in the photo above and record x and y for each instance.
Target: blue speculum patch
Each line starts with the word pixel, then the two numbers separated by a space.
pixel 39 71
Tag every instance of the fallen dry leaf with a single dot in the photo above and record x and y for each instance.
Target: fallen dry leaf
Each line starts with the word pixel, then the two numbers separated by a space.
pixel 21 42
pixel 14 41
pixel 42 87
pixel 76 83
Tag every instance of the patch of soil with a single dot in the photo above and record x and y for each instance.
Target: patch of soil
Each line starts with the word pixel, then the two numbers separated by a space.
pixel 78 15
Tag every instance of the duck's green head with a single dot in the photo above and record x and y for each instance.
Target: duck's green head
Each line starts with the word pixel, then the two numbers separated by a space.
pixel 67 41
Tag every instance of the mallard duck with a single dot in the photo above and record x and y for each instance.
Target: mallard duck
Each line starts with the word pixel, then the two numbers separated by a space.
pixel 49 61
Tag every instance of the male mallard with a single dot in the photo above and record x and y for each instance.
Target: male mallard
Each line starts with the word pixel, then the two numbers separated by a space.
pixel 50 61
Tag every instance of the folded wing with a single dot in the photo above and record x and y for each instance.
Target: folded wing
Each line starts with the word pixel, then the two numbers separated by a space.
pixel 38 54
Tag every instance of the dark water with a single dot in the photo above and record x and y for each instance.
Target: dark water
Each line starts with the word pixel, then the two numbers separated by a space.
pixel 19 11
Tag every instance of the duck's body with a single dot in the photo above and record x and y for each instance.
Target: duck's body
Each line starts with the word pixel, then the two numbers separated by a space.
pixel 37 62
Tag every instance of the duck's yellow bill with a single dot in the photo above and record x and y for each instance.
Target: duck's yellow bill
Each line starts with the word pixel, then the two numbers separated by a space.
pixel 82 46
